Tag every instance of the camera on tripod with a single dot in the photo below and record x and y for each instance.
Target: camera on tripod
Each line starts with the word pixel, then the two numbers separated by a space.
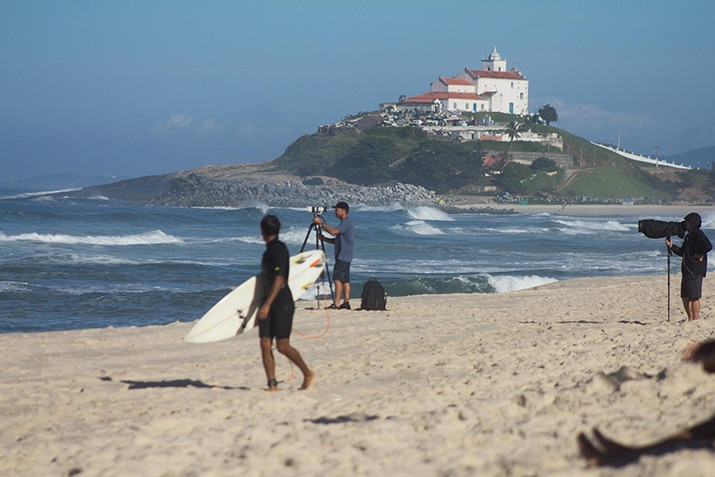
pixel 317 209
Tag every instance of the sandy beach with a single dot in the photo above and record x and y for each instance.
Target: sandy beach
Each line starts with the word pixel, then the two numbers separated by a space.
pixel 668 212
pixel 443 385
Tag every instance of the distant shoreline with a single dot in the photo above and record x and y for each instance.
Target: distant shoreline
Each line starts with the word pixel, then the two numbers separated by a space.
pixel 649 210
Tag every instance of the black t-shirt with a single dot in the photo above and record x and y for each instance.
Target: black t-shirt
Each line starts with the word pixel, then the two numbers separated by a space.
pixel 696 243
pixel 276 262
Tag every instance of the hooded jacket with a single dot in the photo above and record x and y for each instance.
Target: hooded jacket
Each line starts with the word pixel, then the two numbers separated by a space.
pixel 696 244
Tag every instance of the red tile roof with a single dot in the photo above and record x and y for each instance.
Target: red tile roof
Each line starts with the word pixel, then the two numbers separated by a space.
pixel 456 81
pixel 515 75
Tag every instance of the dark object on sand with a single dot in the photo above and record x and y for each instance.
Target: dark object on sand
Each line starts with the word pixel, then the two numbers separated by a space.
pixel 600 450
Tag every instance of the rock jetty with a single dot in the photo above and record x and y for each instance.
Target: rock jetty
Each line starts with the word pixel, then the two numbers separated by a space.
pixel 196 190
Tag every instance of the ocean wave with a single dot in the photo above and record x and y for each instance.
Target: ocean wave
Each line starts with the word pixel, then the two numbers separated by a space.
pixel 417 227
pixel 506 283
pixel 429 213
pixel 156 237
pixel 708 220
pixel 393 207
pixel 512 230
pixel 463 283
pixel 8 287
pixel 577 227
pixel 29 195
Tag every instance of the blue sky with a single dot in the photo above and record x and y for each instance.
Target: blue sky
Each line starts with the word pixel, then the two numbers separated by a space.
pixel 132 88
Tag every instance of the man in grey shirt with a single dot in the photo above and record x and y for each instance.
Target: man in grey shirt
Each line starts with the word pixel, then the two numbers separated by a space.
pixel 344 241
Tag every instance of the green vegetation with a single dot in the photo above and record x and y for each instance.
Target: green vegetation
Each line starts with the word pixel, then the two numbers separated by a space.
pixel 609 182
pixel 383 155
pixel 548 114
pixel 406 154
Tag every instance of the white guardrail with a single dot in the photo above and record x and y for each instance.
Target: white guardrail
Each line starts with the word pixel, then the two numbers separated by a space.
pixel 639 158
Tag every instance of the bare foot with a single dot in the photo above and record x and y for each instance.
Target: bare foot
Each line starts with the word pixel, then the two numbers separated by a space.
pixel 272 386
pixel 308 380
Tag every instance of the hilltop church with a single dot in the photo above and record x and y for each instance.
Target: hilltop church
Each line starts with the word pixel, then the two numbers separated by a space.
pixel 491 89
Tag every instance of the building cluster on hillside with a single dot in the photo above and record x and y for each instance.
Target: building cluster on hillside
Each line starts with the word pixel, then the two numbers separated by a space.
pixel 491 89
pixel 440 112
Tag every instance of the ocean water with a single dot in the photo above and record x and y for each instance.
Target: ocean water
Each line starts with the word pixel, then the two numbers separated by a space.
pixel 68 263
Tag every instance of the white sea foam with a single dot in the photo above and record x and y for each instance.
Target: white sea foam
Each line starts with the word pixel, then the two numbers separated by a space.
pixel 516 230
pixel 708 221
pixel 296 235
pixel 429 213
pixel 13 287
pixel 254 239
pixel 27 195
pixel 418 227
pixel 395 206
pixel 577 227
pixel 155 237
pixel 505 283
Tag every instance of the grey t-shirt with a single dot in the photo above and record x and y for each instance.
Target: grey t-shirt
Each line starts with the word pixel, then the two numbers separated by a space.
pixel 345 240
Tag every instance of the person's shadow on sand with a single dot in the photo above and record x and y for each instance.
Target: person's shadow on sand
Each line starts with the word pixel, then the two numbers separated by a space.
pixel 173 383
pixel 600 450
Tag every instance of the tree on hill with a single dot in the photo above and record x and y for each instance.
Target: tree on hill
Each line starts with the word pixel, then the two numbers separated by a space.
pixel 367 163
pixel 513 176
pixel 442 166
pixel 544 164
pixel 513 131
pixel 548 114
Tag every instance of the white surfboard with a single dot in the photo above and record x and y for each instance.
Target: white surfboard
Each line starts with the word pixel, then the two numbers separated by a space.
pixel 236 312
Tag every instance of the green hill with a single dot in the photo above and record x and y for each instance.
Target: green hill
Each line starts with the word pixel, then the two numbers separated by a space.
pixel 383 155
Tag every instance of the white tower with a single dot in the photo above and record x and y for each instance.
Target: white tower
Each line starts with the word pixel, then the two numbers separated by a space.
pixel 494 62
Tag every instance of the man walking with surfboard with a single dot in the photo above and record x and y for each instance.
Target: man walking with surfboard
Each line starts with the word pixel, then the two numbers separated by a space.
pixel 275 316
pixel 344 241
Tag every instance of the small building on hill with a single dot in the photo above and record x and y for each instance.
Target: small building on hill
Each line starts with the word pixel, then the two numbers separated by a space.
pixel 491 89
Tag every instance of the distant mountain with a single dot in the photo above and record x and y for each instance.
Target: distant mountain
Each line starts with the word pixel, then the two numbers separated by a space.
pixel 698 158
pixel 46 182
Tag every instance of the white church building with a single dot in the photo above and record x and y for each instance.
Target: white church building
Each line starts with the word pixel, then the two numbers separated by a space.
pixel 491 89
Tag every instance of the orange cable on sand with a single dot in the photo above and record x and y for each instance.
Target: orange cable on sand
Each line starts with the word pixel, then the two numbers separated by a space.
pixel 327 324
pixel 315 337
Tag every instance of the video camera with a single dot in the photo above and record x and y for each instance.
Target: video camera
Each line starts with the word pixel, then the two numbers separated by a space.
pixel 317 209
pixel 661 229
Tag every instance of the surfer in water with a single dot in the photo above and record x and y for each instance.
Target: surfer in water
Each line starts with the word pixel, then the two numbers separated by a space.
pixel 344 241
pixel 275 316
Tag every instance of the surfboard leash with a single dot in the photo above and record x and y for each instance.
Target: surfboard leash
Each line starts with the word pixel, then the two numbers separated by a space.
pixel 327 325
pixel 310 337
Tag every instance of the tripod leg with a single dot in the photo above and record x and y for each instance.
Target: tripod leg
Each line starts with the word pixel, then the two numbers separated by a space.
pixel 669 285
pixel 310 228
pixel 320 244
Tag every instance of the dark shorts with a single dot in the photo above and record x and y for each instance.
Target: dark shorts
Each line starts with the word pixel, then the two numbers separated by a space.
pixel 279 322
pixel 691 287
pixel 341 271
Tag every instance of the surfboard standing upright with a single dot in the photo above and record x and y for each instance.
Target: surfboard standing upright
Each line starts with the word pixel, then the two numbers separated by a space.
pixel 236 312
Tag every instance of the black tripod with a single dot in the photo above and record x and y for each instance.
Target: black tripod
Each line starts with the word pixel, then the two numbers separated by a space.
pixel 670 253
pixel 319 245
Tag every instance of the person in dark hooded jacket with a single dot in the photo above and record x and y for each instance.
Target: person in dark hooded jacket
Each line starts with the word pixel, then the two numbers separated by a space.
pixel 694 266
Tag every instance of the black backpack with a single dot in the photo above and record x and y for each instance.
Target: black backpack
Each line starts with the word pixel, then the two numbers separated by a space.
pixel 373 296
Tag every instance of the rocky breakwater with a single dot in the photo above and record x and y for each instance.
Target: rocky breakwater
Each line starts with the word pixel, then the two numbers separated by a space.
pixel 195 190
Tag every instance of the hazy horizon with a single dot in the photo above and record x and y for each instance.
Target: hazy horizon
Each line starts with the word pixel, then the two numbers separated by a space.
pixel 135 88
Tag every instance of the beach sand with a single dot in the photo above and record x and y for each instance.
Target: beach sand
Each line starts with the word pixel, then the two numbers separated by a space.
pixel 637 211
pixel 437 385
